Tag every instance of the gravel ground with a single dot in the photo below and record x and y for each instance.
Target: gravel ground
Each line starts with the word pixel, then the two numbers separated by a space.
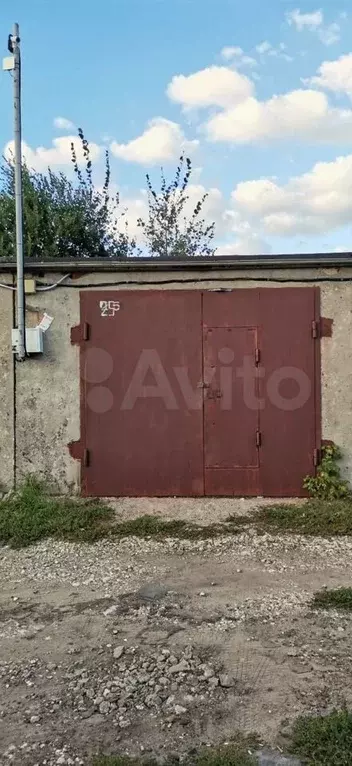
pixel 148 647
pixel 199 510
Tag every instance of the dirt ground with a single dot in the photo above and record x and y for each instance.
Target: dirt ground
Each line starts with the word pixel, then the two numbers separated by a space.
pixel 158 647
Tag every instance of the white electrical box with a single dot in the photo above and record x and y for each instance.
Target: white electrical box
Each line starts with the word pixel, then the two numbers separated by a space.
pixel 8 63
pixel 34 340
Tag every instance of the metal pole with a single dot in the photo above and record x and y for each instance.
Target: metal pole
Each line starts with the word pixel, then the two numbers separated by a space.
pixel 21 315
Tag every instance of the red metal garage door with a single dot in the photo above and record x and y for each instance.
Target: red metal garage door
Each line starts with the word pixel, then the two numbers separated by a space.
pixel 290 417
pixel 185 393
pixel 141 374
pixel 264 344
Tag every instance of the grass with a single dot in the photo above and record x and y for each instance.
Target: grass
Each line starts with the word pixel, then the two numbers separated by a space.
pixel 317 741
pixel 340 598
pixel 229 755
pixel 31 514
pixel 121 760
pixel 325 740
pixel 154 526
pixel 315 517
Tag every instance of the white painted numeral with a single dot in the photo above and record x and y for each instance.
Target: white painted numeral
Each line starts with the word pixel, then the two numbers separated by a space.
pixel 109 308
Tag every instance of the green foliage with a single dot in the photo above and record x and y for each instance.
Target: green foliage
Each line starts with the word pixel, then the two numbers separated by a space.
pixel 324 741
pixel 228 755
pixel 30 515
pixel 153 526
pixel 72 218
pixel 315 517
pixel 121 760
pixel 328 484
pixel 170 230
pixel 63 218
pixel 339 598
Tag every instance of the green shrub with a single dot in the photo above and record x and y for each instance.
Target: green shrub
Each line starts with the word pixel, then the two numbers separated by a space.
pixel 328 484
pixel 324 740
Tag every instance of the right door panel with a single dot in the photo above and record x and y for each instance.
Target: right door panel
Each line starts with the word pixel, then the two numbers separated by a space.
pixel 289 412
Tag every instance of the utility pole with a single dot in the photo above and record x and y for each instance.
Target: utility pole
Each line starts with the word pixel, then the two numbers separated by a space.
pixel 15 65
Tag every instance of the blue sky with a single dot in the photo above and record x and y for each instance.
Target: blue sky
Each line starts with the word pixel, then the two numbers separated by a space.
pixel 200 76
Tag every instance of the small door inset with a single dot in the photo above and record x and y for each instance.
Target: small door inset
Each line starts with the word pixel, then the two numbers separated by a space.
pixel 231 415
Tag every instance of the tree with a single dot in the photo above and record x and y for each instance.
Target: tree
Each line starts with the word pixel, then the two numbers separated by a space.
pixel 169 231
pixel 71 218
pixel 63 218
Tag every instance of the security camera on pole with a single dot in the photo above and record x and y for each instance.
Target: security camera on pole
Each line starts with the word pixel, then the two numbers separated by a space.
pixel 13 64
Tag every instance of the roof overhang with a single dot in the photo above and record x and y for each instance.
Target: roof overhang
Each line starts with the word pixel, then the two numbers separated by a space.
pixel 90 265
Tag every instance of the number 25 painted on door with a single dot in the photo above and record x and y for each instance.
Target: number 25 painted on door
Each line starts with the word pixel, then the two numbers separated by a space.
pixel 109 308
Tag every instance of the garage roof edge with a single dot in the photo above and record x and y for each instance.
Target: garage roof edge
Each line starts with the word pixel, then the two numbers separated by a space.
pixel 89 265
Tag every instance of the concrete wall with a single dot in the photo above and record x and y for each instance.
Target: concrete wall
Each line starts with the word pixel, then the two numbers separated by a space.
pixel 7 413
pixel 336 302
pixel 47 387
pixel 48 395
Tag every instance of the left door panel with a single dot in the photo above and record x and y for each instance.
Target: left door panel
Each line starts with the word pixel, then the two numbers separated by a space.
pixel 142 398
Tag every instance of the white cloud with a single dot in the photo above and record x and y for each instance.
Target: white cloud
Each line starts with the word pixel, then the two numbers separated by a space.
pixel 214 86
pixel 230 52
pixel 250 244
pixel 237 55
pixel 61 123
pixel 59 154
pixel 303 115
pixel 162 141
pixel 314 22
pixel 335 75
pixel 214 208
pixel 247 61
pixel 263 47
pixel 267 49
pixel 135 208
pixel 316 202
pixel 302 21
pixel 330 34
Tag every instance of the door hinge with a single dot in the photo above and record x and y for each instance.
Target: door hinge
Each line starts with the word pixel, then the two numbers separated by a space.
pixel 258 438
pixel 86 458
pixel 315 329
pixel 257 356
pixel 316 457
pixel 80 333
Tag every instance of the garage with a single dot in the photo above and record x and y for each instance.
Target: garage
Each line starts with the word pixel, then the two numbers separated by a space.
pixel 193 392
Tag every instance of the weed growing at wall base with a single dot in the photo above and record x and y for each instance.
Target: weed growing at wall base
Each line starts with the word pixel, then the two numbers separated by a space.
pixel 328 483
pixel 315 517
pixel 31 514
